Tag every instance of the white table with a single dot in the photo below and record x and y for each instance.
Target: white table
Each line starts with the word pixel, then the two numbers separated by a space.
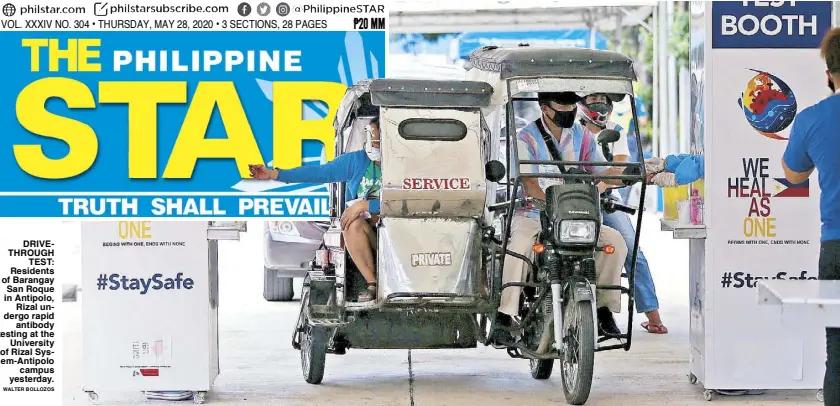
pixel 683 231
pixel 803 299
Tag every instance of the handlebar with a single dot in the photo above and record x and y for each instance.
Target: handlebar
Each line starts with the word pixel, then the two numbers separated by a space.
pixel 609 205
pixel 503 205
pixel 632 173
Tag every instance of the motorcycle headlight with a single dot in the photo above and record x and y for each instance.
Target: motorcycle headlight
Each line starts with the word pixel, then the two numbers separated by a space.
pixel 577 231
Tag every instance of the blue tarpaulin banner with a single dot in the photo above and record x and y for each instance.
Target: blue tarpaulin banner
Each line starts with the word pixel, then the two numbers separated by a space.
pixel 578 38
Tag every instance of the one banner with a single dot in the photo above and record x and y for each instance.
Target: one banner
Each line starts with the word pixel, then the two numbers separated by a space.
pixel 161 117
pixel 763 67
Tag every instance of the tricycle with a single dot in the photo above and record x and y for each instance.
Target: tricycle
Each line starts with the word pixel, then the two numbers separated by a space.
pixel 439 258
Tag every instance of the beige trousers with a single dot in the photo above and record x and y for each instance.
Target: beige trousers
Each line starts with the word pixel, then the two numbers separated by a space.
pixel 524 232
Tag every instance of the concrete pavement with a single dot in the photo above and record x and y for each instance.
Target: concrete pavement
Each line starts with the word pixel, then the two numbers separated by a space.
pixel 259 367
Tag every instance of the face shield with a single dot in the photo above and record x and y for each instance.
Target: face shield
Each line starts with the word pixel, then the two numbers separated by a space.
pixel 596 109
pixel 372 144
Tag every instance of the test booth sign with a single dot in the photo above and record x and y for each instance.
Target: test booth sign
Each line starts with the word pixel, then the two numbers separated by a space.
pixel 762 67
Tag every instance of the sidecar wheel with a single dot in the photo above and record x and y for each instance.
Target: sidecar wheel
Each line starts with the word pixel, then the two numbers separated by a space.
pixel 578 359
pixel 313 353
pixel 313 346
pixel 541 368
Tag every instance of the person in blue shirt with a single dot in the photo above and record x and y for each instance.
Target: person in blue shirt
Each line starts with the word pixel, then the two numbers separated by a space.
pixel 361 170
pixel 814 144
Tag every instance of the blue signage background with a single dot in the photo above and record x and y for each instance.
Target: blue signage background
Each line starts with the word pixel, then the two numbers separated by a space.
pixel 341 57
pixel 808 10
pixel 580 37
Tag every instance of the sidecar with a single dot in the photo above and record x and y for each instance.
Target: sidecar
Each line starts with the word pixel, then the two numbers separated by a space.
pixel 433 229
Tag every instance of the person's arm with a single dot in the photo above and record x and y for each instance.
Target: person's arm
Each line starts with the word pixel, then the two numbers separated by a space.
pixel 593 154
pixel 339 169
pixel 796 163
pixel 530 185
pixel 672 162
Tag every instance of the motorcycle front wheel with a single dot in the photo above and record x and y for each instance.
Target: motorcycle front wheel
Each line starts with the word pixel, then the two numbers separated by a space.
pixel 578 359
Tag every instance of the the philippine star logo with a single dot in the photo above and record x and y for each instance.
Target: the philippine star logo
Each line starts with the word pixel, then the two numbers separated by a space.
pixel 769 104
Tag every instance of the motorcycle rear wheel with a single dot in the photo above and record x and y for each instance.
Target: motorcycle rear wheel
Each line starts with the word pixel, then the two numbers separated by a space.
pixel 541 368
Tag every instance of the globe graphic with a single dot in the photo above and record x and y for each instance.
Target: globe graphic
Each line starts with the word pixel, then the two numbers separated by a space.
pixel 769 104
pixel 9 9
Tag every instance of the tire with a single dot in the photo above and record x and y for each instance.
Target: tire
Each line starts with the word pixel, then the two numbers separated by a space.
pixel 313 350
pixel 541 368
pixel 277 289
pixel 579 331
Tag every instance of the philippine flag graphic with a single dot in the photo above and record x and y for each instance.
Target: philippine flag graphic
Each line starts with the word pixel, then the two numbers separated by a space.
pixel 783 188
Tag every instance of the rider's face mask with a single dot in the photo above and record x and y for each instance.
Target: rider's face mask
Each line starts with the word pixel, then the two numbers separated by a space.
pixel 563 119
pixel 372 144
pixel 603 109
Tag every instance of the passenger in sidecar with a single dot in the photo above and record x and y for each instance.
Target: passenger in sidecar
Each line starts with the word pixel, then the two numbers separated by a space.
pixel 361 170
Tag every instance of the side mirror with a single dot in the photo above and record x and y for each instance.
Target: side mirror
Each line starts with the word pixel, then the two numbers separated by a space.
pixel 631 171
pixel 608 137
pixel 494 171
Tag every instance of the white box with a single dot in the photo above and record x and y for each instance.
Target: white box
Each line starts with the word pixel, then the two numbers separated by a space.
pixel 152 324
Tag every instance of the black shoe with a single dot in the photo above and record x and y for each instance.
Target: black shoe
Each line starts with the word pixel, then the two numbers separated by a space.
pixel 606 323
pixel 500 336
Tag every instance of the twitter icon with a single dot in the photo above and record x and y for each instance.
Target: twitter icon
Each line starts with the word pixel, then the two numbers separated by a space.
pixel 263 9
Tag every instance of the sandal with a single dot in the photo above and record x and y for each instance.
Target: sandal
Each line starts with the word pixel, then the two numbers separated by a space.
pixel 369 293
pixel 654 328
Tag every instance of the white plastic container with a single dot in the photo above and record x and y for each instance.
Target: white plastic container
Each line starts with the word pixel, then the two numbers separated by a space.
pixel 150 305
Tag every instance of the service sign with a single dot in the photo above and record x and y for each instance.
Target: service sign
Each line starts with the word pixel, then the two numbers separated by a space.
pixel 162 117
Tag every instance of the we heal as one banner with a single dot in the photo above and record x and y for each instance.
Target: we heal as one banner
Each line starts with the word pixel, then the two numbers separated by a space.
pixel 763 68
pixel 172 115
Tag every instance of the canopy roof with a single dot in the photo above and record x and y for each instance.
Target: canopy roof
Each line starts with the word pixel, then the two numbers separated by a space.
pixel 527 61
pixel 430 93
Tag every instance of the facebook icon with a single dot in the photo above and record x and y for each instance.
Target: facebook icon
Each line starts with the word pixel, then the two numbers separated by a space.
pixel 244 9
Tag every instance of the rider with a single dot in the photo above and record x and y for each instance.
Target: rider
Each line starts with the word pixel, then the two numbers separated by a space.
pixel 595 112
pixel 575 143
pixel 361 170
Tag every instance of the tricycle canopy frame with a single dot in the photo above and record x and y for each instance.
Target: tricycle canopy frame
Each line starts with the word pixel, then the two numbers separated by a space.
pixel 526 69
pixel 403 93
pixel 424 93
pixel 527 61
